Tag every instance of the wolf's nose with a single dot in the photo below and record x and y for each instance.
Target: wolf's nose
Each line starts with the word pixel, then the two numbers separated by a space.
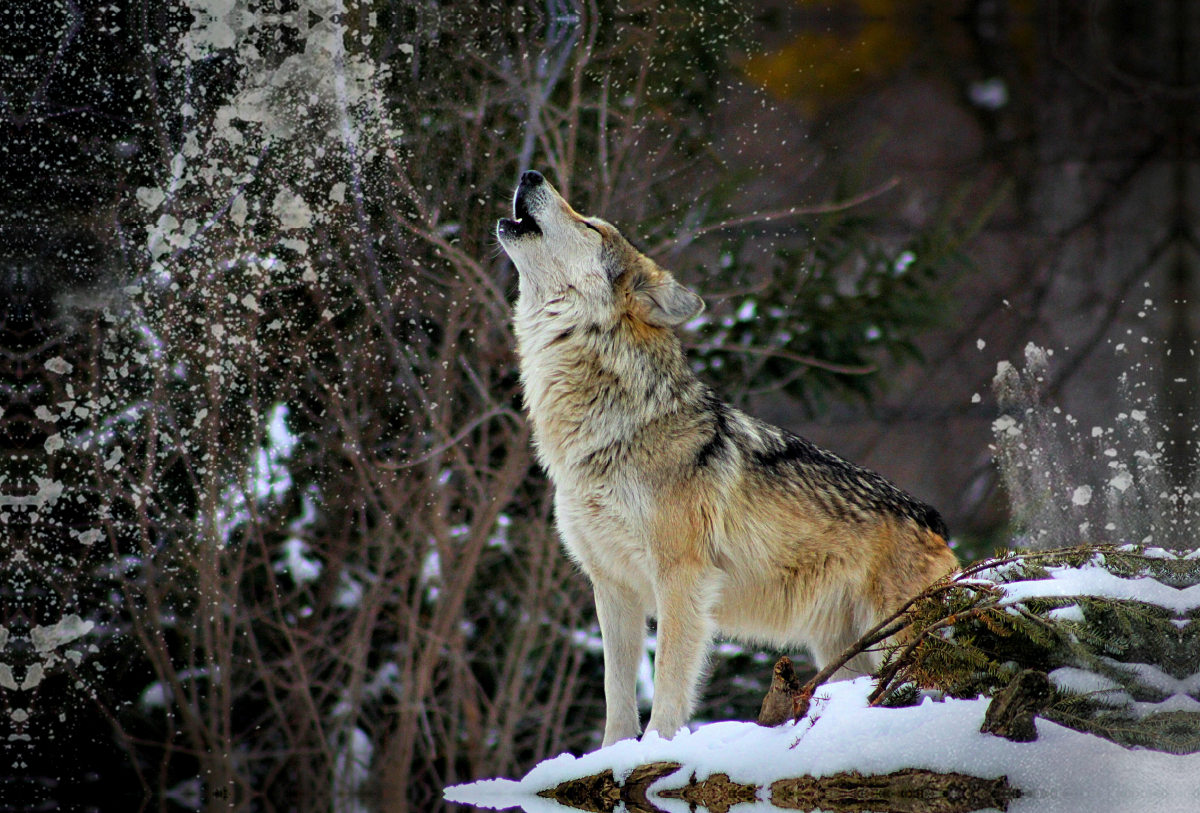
pixel 531 178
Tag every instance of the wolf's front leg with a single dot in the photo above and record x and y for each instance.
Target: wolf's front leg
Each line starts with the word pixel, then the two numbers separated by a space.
pixel 686 595
pixel 623 628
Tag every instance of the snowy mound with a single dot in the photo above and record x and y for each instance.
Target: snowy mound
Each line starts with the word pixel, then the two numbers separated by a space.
pixel 1062 770
pixel 1111 626
pixel 1121 649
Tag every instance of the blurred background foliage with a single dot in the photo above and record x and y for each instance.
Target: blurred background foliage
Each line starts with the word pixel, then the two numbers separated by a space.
pixel 821 67
pixel 845 47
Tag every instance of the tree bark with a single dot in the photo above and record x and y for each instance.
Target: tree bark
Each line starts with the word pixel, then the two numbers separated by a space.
pixel 910 790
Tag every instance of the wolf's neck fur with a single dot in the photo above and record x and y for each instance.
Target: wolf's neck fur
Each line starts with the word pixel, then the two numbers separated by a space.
pixel 591 387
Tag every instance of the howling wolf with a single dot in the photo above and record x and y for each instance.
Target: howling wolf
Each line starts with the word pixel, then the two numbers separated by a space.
pixel 676 505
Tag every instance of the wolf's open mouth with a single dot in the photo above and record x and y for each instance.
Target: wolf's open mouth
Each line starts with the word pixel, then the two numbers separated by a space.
pixel 522 222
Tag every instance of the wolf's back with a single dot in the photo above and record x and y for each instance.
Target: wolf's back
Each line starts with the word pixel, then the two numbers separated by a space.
pixel 775 457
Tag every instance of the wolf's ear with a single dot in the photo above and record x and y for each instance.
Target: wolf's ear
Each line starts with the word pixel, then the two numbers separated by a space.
pixel 667 303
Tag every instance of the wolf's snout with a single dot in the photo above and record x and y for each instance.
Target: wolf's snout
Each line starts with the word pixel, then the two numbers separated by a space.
pixel 530 182
pixel 523 223
pixel 521 204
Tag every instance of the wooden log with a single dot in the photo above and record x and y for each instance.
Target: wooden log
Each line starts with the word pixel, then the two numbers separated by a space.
pixel 1011 712
pixel 716 793
pixel 783 698
pixel 910 790
pixel 600 793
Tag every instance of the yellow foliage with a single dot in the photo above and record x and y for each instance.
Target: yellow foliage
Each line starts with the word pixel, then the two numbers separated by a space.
pixel 818 68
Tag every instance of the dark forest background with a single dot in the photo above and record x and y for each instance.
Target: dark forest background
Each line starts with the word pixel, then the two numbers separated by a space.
pixel 271 534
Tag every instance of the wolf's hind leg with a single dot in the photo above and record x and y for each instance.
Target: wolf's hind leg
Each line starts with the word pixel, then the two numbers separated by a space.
pixel 686 595
pixel 864 664
pixel 623 628
pixel 837 636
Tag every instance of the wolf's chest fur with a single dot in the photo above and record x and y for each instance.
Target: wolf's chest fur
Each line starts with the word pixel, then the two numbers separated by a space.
pixel 602 411
pixel 592 385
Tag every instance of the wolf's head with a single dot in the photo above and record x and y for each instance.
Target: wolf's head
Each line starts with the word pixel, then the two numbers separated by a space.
pixel 581 270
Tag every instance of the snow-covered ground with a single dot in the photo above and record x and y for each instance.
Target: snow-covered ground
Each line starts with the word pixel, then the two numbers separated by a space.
pixel 1063 770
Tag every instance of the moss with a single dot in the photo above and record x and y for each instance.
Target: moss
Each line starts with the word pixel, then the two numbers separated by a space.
pixel 971 641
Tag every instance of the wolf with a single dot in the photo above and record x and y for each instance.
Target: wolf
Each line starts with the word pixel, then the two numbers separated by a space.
pixel 675 505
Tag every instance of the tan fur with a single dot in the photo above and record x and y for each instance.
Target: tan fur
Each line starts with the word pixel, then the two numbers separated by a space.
pixel 675 505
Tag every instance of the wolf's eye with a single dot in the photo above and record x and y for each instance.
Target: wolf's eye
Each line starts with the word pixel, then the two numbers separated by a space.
pixel 590 226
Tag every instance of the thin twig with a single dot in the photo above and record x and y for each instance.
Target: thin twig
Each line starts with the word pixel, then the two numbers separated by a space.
pixel 466 430
pixel 780 214
pixel 833 367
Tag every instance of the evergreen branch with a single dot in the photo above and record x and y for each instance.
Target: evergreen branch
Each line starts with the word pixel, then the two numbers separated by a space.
pixel 880 632
pixel 886 679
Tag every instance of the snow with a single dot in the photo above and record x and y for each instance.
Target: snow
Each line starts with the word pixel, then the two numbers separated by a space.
pixel 47 638
pixel 47 494
pixel 1155 678
pixel 154 696
pixel 1095 581
pixel 59 365
pixel 1063 770
pixel 1071 613
pixel 991 94
pixel 1176 702
pixel 300 567
pixel 1081 681
pixel 1158 553
pixel 350 591
pixel 351 769
pixel 292 210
